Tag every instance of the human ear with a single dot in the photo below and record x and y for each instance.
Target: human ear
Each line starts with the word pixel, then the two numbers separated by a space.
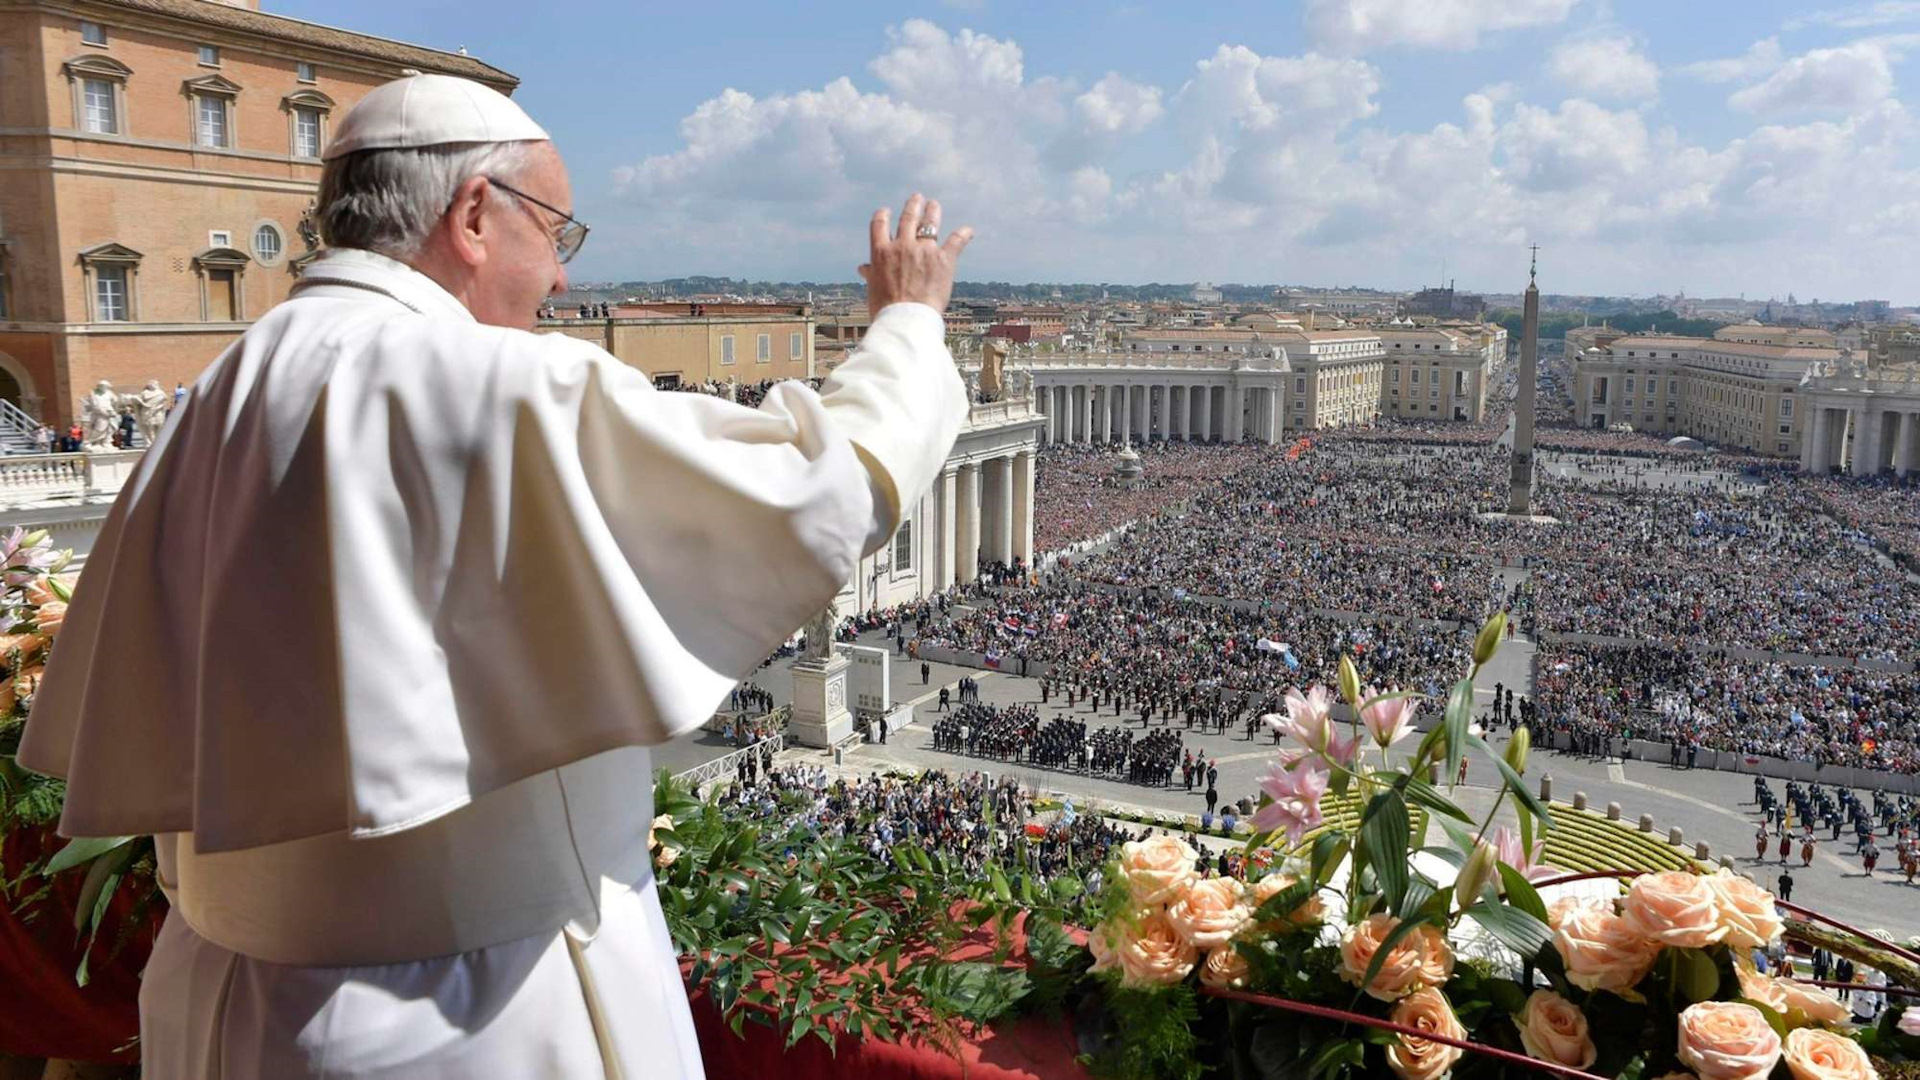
pixel 465 221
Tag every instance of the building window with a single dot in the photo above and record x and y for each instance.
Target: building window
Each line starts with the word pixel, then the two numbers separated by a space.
pixel 1396 379
pixel 112 274
pixel 99 93
pixel 210 55
pixel 306 133
pixel 1785 429
pixel 307 112
pixel 1778 448
pixel 210 121
pixel 903 547
pixel 794 349
pixel 1786 409
pixel 726 348
pixel 222 273
pixel 101 117
pixel 267 244
pixel 110 302
pixel 1299 387
pixel 303 71
pixel 763 348
pixel 92 33
pixel 670 381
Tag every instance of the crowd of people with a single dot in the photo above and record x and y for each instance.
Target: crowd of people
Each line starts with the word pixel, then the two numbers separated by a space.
pixel 751 394
pixel 1078 496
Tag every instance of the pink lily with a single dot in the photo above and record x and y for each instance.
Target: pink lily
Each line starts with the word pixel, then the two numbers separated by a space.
pixel 1506 846
pixel 1389 721
pixel 1296 795
pixel 1309 716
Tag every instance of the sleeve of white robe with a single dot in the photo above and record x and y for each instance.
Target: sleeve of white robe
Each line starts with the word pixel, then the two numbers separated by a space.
pixel 743 523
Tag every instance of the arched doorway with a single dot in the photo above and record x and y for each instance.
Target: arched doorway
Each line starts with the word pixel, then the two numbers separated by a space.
pixel 17 387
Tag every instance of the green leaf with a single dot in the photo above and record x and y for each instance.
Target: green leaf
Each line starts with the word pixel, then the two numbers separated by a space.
pixel 1459 715
pixel 1384 831
pixel 82 849
pixel 1526 827
pixel 1774 1020
pixel 1516 784
pixel 1430 797
pixel 1328 849
pixel 1281 904
pixel 1696 977
pixel 1514 928
pixel 1521 893
pixel 774 930
pixel 999 881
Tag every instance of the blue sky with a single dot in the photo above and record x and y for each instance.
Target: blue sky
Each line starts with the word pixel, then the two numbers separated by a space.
pixel 1718 147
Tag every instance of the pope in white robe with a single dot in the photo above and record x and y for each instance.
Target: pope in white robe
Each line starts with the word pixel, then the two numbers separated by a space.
pixel 376 638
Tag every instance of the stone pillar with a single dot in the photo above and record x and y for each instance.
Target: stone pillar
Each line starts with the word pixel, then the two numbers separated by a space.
pixel 1861 462
pixel 1126 415
pixel 1177 418
pixel 1206 416
pixel 1104 414
pixel 967 565
pixel 991 481
pixel 1089 398
pixel 1236 414
pixel 1809 433
pixel 1270 424
pixel 1903 445
pixel 1023 507
pixel 946 534
pixel 1166 412
pixel 1820 441
pixel 1000 509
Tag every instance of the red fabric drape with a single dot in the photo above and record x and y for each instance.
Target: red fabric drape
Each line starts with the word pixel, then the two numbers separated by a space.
pixel 43 1013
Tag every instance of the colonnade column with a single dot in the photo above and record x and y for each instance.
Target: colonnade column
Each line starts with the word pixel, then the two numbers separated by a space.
pixel 1236 414
pixel 1002 509
pixel 1816 453
pixel 1860 462
pixel 944 533
pixel 1177 417
pixel 1023 508
pixel 967 566
pixel 1206 414
pixel 1126 415
pixel 1903 445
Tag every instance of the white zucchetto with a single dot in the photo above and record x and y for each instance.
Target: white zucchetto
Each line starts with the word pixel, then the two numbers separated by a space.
pixel 431 110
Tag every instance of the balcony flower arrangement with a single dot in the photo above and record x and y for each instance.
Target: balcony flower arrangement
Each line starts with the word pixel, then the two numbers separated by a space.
pixel 1367 953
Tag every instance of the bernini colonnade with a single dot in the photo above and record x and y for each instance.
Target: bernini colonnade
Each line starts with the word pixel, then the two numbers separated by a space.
pixel 1154 397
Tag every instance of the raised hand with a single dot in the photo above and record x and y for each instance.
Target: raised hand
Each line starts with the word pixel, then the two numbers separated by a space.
pixel 912 264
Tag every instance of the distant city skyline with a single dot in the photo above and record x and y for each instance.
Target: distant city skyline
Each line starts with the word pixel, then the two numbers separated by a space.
pixel 1721 148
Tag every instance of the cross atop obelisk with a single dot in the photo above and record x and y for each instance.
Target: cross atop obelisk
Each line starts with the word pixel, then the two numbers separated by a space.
pixel 1520 501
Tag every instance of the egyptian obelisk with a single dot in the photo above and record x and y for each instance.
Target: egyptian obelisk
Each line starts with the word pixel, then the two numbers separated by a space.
pixel 1520 502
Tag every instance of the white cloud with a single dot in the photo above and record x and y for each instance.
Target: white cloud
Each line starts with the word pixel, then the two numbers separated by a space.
pixel 1849 78
pixel 1607 67
pixel 1279 93
pixel 1860 16
pixel 1116 106
pixel 1761 58
pixel 1352 26
pixel 1266 168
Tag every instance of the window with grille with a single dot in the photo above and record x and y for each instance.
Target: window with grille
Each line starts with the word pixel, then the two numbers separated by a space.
pixel 266 244
pixel 210 121
pixel 726 349
pixel 763 348
pixel 903 547
pixel 92 33
pixel 110 294
pixel 303 71
pixel 210 55
pixel 306 133
pixel 794 350
pixel 101 116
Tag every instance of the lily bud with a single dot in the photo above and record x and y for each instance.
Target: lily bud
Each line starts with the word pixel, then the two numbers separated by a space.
pixel 1474 875
pixel 1349 682
pixel 1489 639
pixel 1517 750
pixel 35 538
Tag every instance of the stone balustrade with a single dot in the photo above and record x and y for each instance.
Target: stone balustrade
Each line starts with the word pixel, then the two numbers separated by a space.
pixel 36 479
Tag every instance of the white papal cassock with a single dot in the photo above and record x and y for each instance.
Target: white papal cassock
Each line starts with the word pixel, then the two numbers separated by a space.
pixel 375 639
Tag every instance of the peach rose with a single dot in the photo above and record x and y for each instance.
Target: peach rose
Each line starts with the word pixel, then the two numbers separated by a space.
pixel 1213 910
pixel 28 644
pixel 1412 963
pixel 49 617
pixel 1746 910
pixel 1154 953
pixel 1602 951
pixel 1674 908
pixel 1159 869
pixel 1436 956
pixel 1225 969
pixel 667 855
pixel 1727 1040
pixel 1808 1004
pixel 1817 1054
pixel 1101 947
pixel 1554 1029
pixel 1414 1058
pixel 1757 987
pixel 1311 910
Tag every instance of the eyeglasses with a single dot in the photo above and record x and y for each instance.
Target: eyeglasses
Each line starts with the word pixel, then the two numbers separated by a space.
pixel 567 243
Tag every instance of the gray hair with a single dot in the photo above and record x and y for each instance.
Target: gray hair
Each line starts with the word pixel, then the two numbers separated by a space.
pixel 389 200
